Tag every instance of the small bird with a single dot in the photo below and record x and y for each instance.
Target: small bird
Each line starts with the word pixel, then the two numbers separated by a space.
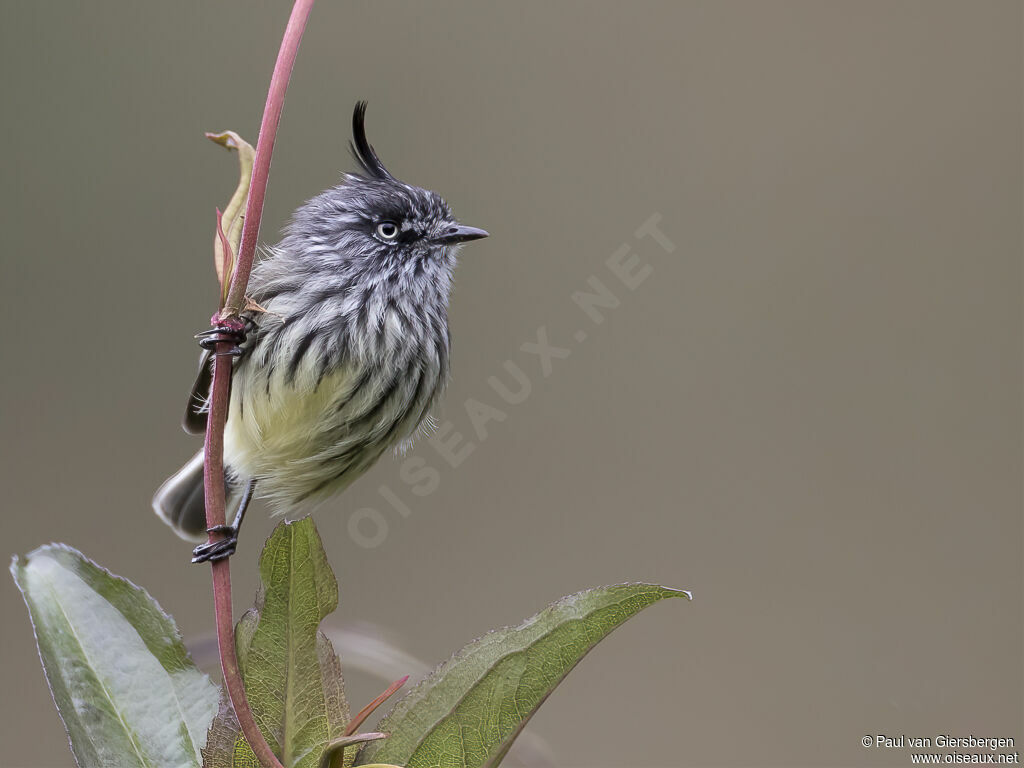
pixel 346 356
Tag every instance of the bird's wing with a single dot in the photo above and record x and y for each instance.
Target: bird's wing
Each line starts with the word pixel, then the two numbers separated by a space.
pixel 198 405
pixel 197 408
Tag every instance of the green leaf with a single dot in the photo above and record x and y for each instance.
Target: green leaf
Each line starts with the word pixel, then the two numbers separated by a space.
pixel 334 755
pixel 469 710
pixel 292 675
pixel 123 683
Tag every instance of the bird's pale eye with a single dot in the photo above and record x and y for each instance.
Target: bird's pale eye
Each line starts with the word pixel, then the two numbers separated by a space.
pixel 387 230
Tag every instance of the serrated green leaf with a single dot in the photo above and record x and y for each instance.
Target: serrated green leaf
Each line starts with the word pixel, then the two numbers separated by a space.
pixel 468 711
pixel 292 675
pixel 123 683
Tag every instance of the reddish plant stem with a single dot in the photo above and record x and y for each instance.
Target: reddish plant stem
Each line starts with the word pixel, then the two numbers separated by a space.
pixel 264 151
pixel 366 711
pixel 213 472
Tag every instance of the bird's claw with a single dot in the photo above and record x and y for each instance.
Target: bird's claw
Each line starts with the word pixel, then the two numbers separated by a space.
pixel 232 331
pixel 217 550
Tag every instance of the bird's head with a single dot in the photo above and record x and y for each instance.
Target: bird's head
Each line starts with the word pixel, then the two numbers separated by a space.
pixel 373 221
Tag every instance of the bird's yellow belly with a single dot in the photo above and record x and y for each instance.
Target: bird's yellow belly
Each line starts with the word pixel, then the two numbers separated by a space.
pixel 276 437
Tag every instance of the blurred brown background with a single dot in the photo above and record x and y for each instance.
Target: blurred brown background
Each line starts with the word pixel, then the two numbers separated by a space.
pixel 809 413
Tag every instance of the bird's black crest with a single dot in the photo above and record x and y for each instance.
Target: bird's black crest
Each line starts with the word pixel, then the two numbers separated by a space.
pixel 361 149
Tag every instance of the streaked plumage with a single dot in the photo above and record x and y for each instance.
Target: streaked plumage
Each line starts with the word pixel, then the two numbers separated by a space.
pixel 352 351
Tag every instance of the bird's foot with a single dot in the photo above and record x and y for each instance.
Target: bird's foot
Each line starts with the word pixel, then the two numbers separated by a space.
pixel 232 330
pixel 217 550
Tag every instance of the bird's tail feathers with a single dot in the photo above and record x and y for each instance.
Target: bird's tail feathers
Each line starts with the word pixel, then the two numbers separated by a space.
pixel 181 503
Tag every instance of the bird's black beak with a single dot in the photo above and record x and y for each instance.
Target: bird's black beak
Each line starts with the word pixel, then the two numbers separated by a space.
pixel 457 233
